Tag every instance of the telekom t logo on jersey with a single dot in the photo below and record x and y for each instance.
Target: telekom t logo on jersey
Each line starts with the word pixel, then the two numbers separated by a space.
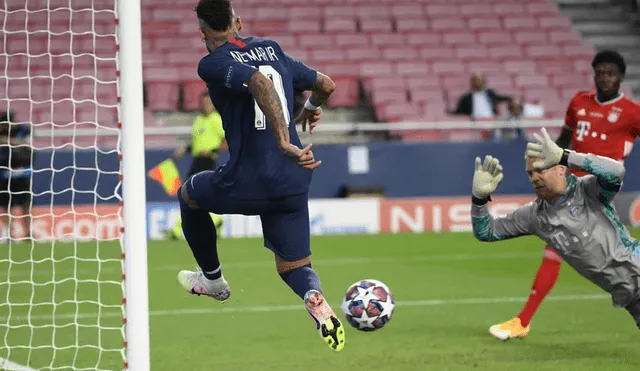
pixel 583 129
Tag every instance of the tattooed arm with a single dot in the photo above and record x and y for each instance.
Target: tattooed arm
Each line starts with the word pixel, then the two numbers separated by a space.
pixel 263 91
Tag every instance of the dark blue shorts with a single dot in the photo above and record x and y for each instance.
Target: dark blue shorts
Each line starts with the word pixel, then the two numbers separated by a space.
pixel 285 221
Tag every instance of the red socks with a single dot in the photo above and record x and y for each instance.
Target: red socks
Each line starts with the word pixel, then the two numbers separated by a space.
pixel 543 283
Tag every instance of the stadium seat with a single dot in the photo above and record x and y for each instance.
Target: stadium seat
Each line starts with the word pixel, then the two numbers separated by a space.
pixel 508 10
pixel 346 95
pixel 411 68
pixel 484 23
pixel 448 24
pixel 162 96
pixel 191 91
pixel 426 96
pixel 326 55
pixel 386 39
pixel 376 69
pixel 402 11
pixel 437 10
pixel 411 25
pixel 484 66
pixel 304 12
pixel 400 53
pixel 363 54
pixel 557 22
pixel 395 112
pixel 437 53
pixel 340 25
pixel 520 67
pixel 371 12
pixel 423 39
pixel 388 97
pixel 529 81
pixel 343 69
pixel 352 40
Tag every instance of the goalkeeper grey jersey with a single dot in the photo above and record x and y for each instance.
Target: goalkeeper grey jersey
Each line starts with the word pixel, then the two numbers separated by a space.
pixel 582 226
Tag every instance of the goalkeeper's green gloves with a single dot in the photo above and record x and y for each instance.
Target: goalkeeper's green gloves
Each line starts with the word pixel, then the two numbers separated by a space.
pixel 487 177
pixel 549 153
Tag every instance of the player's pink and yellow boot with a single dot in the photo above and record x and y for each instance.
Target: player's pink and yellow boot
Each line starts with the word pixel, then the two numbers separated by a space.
pixel 329 326
pixel 510 329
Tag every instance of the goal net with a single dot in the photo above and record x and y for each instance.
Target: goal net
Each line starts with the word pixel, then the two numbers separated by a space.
pixel 61 225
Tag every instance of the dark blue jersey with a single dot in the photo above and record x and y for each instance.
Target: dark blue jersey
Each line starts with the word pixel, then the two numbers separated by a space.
pixel 256 169
pixel 15 159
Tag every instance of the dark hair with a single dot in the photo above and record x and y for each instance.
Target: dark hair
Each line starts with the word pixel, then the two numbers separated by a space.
pixel 6 117
pixel 610 56
pixel 215 13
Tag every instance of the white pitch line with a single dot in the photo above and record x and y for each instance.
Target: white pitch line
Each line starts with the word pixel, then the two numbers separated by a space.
pixel 5 364
pixel 19 271
pixel 383 260
pixel 287 308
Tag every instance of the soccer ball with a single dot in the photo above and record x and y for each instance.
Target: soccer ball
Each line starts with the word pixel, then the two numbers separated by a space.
pixel 368 305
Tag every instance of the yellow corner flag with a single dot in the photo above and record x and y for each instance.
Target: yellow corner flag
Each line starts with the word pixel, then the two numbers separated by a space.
pixel 166 173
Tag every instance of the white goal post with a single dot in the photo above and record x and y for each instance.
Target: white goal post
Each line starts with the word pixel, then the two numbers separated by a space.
pixel 133 170
pixel 73 254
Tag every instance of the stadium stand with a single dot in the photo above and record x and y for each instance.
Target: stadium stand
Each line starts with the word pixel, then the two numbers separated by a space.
pixel 408 60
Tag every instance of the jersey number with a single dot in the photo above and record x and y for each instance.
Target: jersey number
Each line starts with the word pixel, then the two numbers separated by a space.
pixel 260 120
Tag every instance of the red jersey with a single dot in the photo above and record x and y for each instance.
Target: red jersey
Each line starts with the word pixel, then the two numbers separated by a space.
pixel 605 129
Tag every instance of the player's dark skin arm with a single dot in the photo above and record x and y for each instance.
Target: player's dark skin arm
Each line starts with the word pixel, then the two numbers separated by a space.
pixel 564 140
pixel 320 93
pixel 263 91
pixel 322 90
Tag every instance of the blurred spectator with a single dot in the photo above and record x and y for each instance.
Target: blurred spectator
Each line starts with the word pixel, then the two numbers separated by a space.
pixel 16 158
pixel 208 138
pixel 480 102
pixel 514 116
pixel 518 111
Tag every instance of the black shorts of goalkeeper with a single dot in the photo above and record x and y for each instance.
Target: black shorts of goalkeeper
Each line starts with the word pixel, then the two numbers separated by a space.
pixel 15 189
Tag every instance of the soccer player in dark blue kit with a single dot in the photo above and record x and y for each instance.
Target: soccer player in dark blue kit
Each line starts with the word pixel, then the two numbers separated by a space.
pixel 252 82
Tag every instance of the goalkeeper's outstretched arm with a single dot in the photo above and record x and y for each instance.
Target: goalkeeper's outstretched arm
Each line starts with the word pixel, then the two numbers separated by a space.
pixel 608 172
pixel 486 178
pixel 488 229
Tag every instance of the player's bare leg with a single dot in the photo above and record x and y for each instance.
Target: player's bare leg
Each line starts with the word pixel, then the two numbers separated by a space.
pixel 200 233
pixel 26 217
pixel 4 220
pixel 546 277
pixel 305 282
pixel 11 228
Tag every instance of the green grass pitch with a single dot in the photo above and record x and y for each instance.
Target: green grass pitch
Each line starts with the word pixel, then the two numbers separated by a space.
pixel 449 289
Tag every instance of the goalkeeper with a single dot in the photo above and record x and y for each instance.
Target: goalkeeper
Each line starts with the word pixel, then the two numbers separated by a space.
pixel 575 216
pixel 16 157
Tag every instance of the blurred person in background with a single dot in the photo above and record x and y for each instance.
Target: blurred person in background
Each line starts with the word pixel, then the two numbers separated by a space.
pixel 515 115
pixel 16 158
pixel 519 110
pixel 480 102
pixel 207 140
